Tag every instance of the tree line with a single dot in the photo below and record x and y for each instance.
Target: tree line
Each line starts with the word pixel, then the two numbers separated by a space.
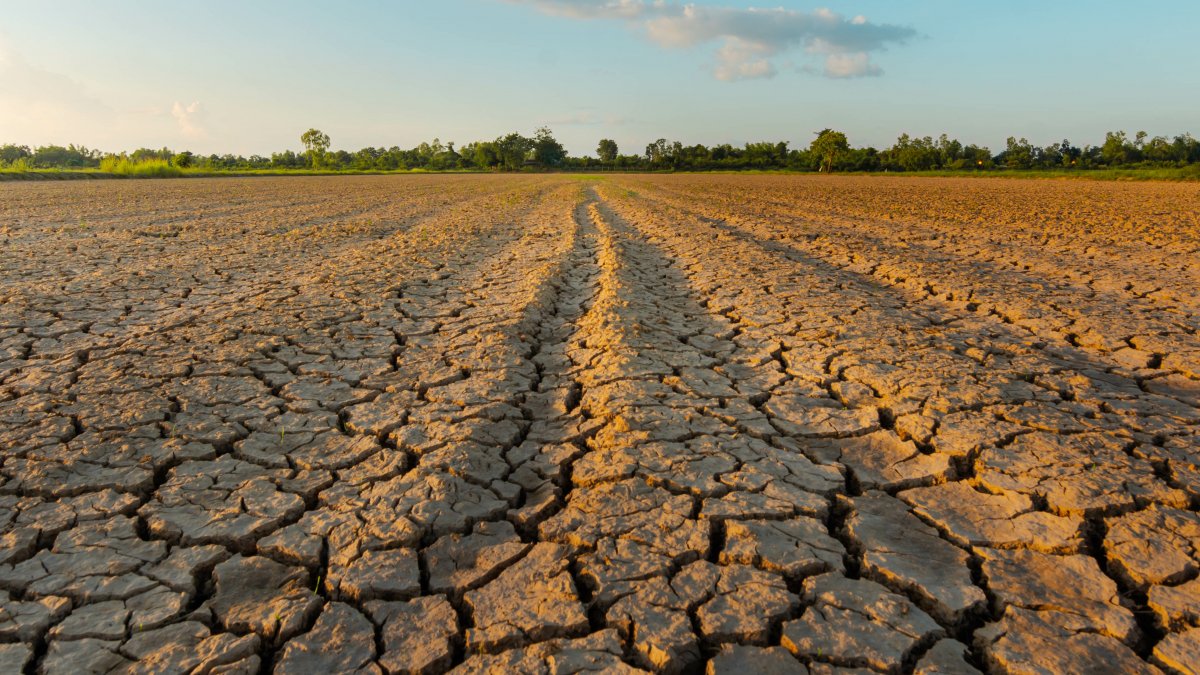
pixel 829 151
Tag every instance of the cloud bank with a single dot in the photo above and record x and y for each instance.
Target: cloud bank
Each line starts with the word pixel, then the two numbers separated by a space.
pixel 749 41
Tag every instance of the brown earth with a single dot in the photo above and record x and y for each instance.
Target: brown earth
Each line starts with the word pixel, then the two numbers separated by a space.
pixel 542 424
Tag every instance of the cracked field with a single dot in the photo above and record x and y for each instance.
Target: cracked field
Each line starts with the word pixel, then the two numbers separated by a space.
pixel 551 424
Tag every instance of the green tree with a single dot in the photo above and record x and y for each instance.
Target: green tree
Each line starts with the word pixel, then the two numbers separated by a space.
pixel 1117 149
pixel 1158 149
pixel 1069 153
pixel 71 156
pixel 950 150
pixel 1018 154
pixel 316 144
pixel 663 152
pixel 914 154
pixel 547 151
pixel 445 158
pixel 512 150
pixel 143 154
pixel 829 146
pixel 1187 149
pixel 607 150
pixel 12 153
pixel 762 155
pixel 484 155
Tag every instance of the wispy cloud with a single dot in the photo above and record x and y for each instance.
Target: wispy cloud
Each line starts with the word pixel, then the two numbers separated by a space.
pixel 591 9
pixel 748 39
pixel 188 118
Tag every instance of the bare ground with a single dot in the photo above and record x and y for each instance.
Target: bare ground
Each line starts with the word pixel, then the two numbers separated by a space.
pixel 543 424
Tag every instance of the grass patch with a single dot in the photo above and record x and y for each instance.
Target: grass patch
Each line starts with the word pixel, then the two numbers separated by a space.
pixel 9 173
pixel 22 165
pixel 147 168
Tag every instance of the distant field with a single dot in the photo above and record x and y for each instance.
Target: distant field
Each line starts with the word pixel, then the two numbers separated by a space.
pixel 1187 173
pixel 661 422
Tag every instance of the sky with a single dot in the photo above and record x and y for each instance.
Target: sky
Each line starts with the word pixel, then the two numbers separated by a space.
pixel 230 76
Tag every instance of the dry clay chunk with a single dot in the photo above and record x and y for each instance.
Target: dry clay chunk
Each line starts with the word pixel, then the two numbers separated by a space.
pixel 418 636
pixel 880 460
pixel 259 595
pixel 1155 546
pixel 630 510
pixel 969 517
pixel 1176 606
pixel 856 623
pixel 388 575
pixel 458 563
pixel 749 660
pixel 796 548
pixel 1076 474
pixel 1068 591
pixel 531 601
pixel 901 551
pixel 1024 642
pixel 599 652
pixel 342 641
pixel 1179 652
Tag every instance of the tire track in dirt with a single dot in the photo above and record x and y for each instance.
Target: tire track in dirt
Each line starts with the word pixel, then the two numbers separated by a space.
pixel 1072 299
pixel 668 464
pixel 451 409
pixel 1091 255
pixel 750 253
pixel 810 399
pixel 309 453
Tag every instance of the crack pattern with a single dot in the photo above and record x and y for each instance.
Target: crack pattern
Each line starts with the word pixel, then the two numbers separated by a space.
pixel 531 424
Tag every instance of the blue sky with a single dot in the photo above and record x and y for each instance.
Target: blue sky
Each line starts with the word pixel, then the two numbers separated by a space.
pixel 249 77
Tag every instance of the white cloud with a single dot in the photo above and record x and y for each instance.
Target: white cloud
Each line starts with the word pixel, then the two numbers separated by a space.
pixel 740 60
pixel 188 118
pixel 750 39
pixel 590 9
pixel 857 64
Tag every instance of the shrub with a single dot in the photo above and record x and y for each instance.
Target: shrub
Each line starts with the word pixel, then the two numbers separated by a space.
pixel 146 168
pixel 20 165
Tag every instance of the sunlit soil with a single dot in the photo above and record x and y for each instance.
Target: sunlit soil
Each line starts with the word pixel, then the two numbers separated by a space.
pixel 554 424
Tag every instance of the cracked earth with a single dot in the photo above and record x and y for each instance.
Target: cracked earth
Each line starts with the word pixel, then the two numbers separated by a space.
pixel 680 424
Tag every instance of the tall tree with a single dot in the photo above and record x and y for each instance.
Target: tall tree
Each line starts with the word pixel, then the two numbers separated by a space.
pixel 829 146
pixel 547 151
pixel 1018 154
pixel 512 150
pixel 1117 149
pixel 11 153
pixel 607 150
pixel 662 152
pixel 316 143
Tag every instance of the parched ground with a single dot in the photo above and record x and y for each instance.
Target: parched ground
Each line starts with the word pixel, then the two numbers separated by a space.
pixel 739 424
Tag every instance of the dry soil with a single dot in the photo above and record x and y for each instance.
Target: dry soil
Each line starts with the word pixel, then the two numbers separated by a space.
pixel 747 424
